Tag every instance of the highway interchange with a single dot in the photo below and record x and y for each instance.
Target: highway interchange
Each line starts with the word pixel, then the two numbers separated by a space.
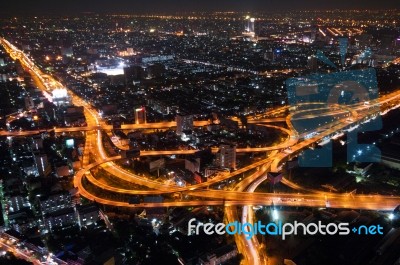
pixel 243 193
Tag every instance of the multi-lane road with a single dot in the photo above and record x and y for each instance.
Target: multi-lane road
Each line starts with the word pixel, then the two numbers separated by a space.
pixel 243 193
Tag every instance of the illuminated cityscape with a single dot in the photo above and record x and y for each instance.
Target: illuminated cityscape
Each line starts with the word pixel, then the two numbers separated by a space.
pixel 127 131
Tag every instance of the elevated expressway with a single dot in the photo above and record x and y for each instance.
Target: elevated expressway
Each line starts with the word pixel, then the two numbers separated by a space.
pixel 243 192
pixel 251 248
pixel 275 161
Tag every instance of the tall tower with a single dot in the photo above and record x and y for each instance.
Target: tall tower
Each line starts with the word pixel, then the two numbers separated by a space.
pixel 183 122
pixel 140 115
pixel 226 156
pixel 251 24
pixel 3 203
pixel 249 29
pixel 246 24
pixel 42 164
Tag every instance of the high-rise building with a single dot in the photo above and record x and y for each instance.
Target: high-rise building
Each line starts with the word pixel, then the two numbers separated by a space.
pixel 312 63
pixel 60 218
pixel 140 115
pixel 37 142
pixel 251 24
pixel 42 164
pixel 226 157
pixel 183 123
pixel 18 202
pixel 249 29
pixel 192 164
pixel 87 214
pixel 133 74
pixel 55 202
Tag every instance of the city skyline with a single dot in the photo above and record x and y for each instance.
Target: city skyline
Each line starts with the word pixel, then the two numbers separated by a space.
pixel 191 138
pixel 74 7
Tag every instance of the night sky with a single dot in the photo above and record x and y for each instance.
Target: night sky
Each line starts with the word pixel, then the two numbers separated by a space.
pixel 68 7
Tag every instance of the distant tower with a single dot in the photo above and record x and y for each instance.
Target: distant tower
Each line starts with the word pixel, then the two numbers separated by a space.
pixel 246 24
pixel 249 30
pixel 251 24
pixel 140 115
pixel 312 63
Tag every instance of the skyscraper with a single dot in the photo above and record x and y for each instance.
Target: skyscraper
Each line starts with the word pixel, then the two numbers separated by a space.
pixel 251 24
pixel 183 123
pixel 140 115
pixel 249 29
pixel 43 166
pixel 226 156
pixel 312 63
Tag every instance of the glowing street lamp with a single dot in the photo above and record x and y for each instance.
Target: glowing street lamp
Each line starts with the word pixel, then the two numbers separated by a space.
pixel 275 215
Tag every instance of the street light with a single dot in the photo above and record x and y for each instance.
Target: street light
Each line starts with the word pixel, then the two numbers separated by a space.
pixel 275 215
pixel 391 216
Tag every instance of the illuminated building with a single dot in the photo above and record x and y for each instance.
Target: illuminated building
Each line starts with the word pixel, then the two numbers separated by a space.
pixel 37 142
pixel 60 96
pixel 251 24
pixel 312 63
pixel 249 29
pixel 17 203
pixel 140 115
pixel 43 166
pixel 192 164
pixel 183 123
pixel 87 214
pixel 60 218
pixel 127 52
pixel 55 202
pixel 226 157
